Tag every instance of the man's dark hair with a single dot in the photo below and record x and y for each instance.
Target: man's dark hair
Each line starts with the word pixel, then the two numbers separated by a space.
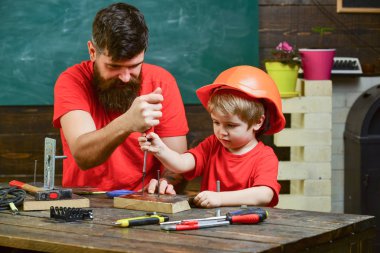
pixel 121 29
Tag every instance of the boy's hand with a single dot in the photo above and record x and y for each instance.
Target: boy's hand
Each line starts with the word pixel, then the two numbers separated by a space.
pixel 151 142
pixel 208 199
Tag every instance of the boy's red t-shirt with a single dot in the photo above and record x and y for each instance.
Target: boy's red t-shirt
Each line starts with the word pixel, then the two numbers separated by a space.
pixel 258 167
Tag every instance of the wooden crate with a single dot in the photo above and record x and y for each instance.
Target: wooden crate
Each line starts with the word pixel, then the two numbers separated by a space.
pixel 309 137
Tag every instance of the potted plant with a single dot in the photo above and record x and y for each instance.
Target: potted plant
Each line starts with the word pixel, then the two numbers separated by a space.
pixel 317 63
pixel 283 68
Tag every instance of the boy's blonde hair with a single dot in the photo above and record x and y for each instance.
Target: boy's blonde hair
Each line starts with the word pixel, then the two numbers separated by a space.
pixel 247 109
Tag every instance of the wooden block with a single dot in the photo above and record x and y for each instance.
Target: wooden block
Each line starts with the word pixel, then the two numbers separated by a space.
pixel 30 204
pixel 296 120
pixel 317 88
pixel 317 120
pixel 152 203
pixel 317 187
pixel 296 154
pixel 317 153
pixel 297 187
pixel 304 170
pixel 300 202
pixel 302 137
pixel 307 104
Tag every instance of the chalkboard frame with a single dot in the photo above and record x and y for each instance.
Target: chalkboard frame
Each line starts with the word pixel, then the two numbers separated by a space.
pixel 342 8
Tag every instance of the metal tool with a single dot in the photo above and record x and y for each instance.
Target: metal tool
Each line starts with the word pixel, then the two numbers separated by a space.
pixel 217 211
pixel 49 163
pixel 245 216
pixel 144 164
pixel 144 171
pixel 42 193
pixel 150 218
pixel 35 172
pixel 70 214
pixel 193 225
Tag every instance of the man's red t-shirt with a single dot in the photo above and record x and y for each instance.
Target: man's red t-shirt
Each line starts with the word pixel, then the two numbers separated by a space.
pixel 123 169
pixel 258 167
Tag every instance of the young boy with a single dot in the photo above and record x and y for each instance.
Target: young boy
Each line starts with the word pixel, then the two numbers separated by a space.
pixel 244 103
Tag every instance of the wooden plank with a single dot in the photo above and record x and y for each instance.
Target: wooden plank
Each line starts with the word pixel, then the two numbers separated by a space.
pixel 100 236
pixel 27 120
pixel 317 187
pixel 283 231
pixel 153 203
pixel 106 240
pixel 296 154
pixel 317 153
pixel 30 204
pixel 317 88
pixel 296 120
pixel 304 170
pixel 307 104
pixel 18 153
pixel 297 187
pixel 302 137
pixel 310 203
pixel 317 120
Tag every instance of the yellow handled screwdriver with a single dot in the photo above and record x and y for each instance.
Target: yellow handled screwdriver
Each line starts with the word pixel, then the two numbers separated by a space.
pixel 150 218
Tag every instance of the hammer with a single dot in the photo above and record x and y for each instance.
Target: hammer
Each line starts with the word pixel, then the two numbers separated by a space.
pixel 41 193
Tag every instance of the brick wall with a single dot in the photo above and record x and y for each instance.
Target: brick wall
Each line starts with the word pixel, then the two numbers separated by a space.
pixel 345 92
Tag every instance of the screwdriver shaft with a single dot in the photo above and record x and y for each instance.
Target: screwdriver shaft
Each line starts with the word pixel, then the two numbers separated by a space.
pixel 144 171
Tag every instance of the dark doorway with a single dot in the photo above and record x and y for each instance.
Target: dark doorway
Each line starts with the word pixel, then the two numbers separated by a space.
pixel 362 158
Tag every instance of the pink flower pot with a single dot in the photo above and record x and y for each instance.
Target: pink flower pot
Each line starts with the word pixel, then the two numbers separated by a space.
pixel 317 63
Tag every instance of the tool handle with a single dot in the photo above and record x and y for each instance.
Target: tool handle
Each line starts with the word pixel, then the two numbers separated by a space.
pixel 246 219
pixel 24 186
pixel 117 193
pixel 251 210
pixel 146 221
pixel 181 227
pixel 140 221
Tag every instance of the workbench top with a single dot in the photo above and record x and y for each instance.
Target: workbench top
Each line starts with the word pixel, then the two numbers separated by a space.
pixel 283 231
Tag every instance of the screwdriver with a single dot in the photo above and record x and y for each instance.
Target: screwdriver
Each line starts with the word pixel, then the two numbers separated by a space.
pixel 144 163
pixel 150 218
pixel 194 224
pixel 245 216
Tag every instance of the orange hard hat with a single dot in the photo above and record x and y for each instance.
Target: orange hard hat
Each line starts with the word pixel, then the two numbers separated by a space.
pixel 256 84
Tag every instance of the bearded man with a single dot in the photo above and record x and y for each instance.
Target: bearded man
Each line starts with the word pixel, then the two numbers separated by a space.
pixel 104 104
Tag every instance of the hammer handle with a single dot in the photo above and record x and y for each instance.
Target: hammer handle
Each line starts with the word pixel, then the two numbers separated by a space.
pixel 25 186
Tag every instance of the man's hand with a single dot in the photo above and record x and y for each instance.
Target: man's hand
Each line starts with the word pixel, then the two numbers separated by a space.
pixel 165 187
pixel 208 199
pixel 145 111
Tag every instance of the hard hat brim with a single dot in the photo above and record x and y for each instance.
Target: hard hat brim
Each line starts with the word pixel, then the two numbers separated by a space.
pixel 277 119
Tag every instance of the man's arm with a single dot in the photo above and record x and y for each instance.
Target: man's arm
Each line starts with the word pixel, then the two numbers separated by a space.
pixel 91 147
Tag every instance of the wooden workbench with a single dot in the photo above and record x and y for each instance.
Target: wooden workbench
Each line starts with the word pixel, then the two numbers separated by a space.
pixel 283 231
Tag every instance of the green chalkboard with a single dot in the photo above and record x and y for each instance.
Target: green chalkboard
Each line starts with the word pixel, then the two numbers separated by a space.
pixel 193 39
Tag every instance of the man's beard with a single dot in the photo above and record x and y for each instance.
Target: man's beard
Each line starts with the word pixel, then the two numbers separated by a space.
pixel 113 97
